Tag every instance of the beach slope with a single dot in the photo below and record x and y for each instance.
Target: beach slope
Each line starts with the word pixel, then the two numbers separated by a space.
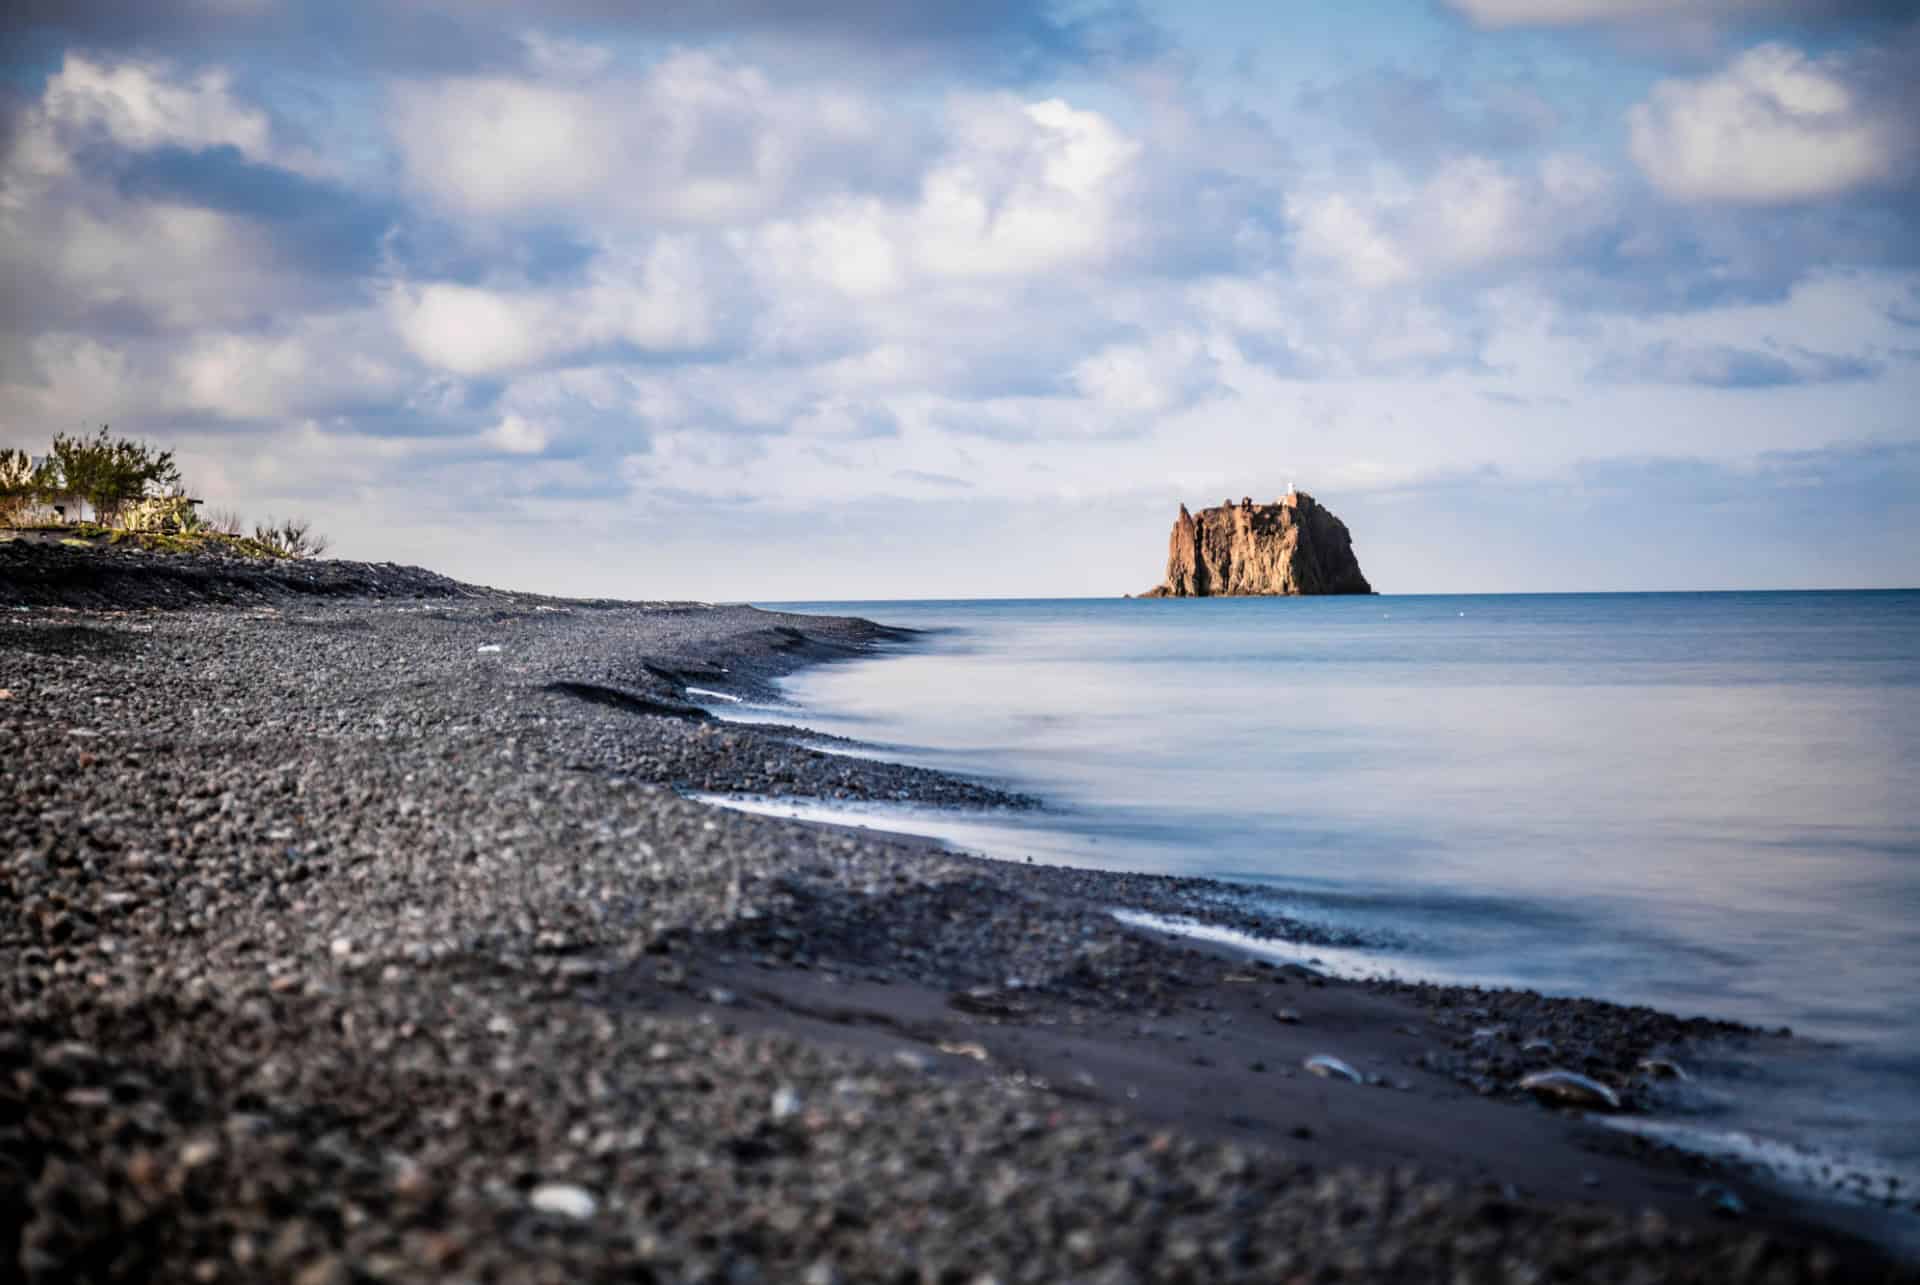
pixel 353 925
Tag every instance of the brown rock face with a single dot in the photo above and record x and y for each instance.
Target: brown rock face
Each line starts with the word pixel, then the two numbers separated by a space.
pixel 1292 546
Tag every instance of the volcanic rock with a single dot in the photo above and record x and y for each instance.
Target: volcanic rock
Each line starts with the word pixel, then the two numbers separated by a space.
pixel 1292 546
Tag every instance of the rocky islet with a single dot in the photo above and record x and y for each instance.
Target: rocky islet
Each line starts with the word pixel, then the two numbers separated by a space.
pixel 1294 546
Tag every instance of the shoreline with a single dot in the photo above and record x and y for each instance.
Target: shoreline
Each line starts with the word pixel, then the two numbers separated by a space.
pixel 311 857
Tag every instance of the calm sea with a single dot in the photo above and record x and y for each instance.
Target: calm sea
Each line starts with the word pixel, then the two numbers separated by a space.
pixel 1709 803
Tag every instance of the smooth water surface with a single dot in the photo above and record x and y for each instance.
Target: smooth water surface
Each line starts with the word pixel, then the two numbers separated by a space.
pixel 1705 802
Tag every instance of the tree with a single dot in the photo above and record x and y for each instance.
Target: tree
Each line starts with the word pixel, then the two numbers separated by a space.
pixel 108 471
pixel 22 484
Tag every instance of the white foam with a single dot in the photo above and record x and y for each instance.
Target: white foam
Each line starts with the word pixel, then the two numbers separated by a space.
pixel 707 691
pixel 1855 1177
pixel 1331 960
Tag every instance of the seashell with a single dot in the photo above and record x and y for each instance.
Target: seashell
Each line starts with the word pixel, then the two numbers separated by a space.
pixel 1329 1067
pixel 1661 1068
pixel 1571 1087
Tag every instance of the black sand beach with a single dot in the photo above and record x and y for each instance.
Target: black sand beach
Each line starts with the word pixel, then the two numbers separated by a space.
pixel 354 927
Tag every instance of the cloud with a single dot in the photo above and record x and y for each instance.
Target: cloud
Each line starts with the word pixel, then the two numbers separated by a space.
pixel 933 479
pixel 1728 366
pixel 645 300
pixel 1005 41
pixel 1471 214
pixel 700 139
pixel 1709 14
pixel 518 436
pixel 1774 126
pixel 140 196
pixel 1167 372
pixel 1423 119
pixel 1028 188
pixel 89 105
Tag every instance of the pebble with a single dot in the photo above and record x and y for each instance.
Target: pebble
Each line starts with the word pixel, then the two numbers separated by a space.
pixel 1722 1200
pixel 1329 1067
pixel 1571 1087
pixel 564 1200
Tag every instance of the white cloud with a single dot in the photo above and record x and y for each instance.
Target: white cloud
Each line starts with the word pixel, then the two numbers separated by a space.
pixel 1337 230
pixel 916 290
pixel 489 146
pixel 74 243
pixel 695 139
pixel 565 59
pixel 314 366
pixel 1027 187
pixel 1774 126
pixel 652 299
pixel 1147 379
pixel 144 105
pixel 1470 213
pixel 517 435
pixel 854 247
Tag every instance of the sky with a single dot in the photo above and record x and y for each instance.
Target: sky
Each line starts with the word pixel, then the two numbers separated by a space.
pixel 769 300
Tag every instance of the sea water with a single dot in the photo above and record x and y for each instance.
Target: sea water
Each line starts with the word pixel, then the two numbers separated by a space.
pixel 1708 803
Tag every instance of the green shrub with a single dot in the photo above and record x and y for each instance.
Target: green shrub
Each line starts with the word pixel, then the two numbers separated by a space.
pixel 294 538
pixel 110 472
pixel 23 487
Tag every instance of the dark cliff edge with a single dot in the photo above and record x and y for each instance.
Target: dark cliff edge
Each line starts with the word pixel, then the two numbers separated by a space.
pixel 1293 546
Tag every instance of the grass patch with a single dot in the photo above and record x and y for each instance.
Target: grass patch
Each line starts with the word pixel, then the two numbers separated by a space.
pixel 88 535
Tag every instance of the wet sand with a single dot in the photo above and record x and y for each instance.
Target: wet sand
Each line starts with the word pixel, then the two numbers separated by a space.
pixel 361 931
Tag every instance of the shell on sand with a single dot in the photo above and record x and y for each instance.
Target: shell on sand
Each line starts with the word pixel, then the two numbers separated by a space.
pixel 1329 1067
pixel 1571 1087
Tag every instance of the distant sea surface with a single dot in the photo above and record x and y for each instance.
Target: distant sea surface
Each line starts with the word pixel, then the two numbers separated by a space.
pixel 1709 803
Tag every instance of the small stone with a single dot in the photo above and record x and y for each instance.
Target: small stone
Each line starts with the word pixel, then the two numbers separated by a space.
pixel 341 947
pixel 323 1271
pixel 1289 1016
pixel 1571 1087
pixel 785 1104
pixel 564 1200
pixel 964 1048
pixel 1329 1067
pixel 1721 1200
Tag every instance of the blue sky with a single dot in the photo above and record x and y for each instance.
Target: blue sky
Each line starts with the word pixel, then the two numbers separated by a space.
pixel 750 299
